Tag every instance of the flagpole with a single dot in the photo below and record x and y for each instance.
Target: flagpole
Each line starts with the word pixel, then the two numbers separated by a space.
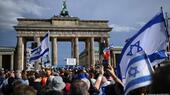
pixel 49 57
pixel 166 18
pixel 165 23
pixel 166 27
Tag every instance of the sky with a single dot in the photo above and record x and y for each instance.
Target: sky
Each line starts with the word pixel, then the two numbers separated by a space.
pixel 125 16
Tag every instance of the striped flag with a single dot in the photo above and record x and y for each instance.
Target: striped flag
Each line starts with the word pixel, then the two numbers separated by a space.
pixel 42 51
pixel 138 72
pixel 151 39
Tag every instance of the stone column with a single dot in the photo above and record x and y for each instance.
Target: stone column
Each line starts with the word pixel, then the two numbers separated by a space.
pixel 25 54
pixel 37 65
pixel 92 51
pixel 12 62
pixel 72 48
pixel 54 51
pixel 87 45
pixel 0 61
pixel 20 54
pixel 76 48
pixel 112 58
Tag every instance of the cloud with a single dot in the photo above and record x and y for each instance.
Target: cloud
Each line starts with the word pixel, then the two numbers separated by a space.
pixel 12 9
pixel 121 28
pixel 141 23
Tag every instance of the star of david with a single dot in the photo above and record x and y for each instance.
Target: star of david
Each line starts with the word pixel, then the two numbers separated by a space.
pixel 136 45
pixel 39 49
pixel 133 71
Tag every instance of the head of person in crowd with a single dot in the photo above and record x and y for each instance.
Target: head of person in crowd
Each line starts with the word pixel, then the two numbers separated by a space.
pixel 79 87
pixel 2 69
pixel 2 76
pixel 31 74
pixel 24 75
pixel 87 82
pixel 48 71
pixel 24 90
pixel 18 74
pixel 67 77
pixel 9 74
pixel 2 73
pixel 55 83
pixel 16 83
pixel 161 80
pixel 38 75
pixel 12 74
pixel 84 77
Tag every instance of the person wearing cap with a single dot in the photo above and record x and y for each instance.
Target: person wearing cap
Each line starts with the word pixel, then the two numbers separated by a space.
pixel 55 83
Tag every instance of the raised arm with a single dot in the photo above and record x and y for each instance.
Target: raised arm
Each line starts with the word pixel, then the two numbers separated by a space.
pixel 111 71
pixel 99 79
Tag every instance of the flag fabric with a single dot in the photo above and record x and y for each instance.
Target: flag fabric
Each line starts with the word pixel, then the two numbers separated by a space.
pixel 46 60
pixel 158 57
pixel 42 51
pixel 138 72
pixel 106 52
pixel 150 39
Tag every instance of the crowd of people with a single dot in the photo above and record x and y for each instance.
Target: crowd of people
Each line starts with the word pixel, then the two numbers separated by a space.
pixel 62 81
pixel 97 80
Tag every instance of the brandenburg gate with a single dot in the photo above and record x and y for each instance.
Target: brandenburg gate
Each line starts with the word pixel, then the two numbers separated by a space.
pixel 61 28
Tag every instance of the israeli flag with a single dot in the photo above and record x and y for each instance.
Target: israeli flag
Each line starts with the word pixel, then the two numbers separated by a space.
pixel 42 51
pixel 138 72
pixel 151 39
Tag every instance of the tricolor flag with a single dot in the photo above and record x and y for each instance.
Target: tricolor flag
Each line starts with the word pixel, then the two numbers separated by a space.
pixel 151 39
pixel 106 52
pixel 42 51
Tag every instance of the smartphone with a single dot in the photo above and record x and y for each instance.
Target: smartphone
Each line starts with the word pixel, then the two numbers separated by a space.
pixel 105 63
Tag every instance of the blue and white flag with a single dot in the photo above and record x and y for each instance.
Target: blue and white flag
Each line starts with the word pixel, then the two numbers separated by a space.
pixel 42 51
pixel 138 72
pixel 151 39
